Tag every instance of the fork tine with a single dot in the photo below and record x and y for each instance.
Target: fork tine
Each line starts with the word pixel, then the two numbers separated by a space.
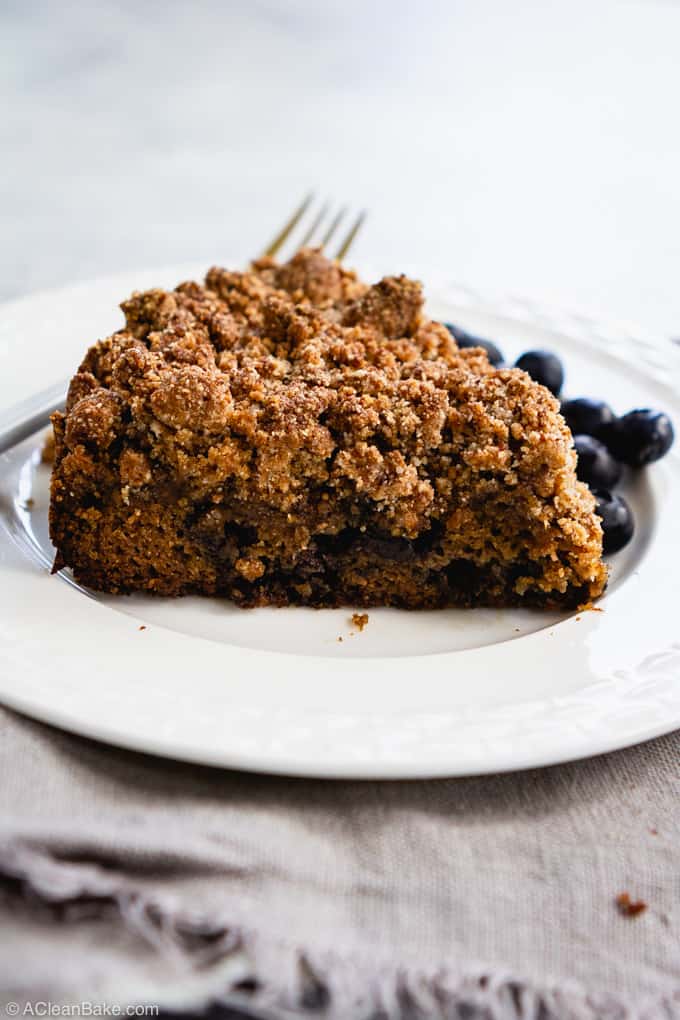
pixel 337 219
pixel 349 240
pixel 316 223
pixel 289 226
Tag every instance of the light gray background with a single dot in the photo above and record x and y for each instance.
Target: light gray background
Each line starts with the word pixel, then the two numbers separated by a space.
pixel 527 147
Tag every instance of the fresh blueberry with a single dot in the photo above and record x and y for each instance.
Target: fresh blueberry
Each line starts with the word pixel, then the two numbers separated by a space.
pixel 639 437
pixel 596 466
pixel 465 339
pixel 544 367
pixel 586 417
pixel 617 520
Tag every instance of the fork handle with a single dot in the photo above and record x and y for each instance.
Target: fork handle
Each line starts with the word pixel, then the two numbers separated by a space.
pixel 23 419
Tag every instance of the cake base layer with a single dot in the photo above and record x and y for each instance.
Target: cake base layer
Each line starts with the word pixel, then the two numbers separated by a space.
pixel 159 552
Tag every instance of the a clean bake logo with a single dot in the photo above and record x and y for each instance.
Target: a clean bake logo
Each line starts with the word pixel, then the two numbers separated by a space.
pixel 42 1008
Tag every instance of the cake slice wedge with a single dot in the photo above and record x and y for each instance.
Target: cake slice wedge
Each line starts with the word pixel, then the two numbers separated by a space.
pixel 290 435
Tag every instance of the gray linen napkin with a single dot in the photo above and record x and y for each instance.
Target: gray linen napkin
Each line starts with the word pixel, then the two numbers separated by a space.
pixel 128 879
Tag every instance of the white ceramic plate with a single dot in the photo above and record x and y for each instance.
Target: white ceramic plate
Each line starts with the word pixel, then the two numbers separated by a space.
pixel 451 692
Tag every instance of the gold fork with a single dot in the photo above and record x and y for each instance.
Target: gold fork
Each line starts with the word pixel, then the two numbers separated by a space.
pixel 321 231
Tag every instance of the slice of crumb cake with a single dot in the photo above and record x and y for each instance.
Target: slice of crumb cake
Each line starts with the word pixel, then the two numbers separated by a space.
pixel 291 435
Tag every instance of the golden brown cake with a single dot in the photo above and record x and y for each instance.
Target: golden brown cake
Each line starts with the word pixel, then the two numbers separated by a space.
pixel 291 435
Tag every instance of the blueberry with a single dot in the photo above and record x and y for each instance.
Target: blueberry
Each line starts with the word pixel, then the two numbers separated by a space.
pixel 639 437
pixel 585 416
pixel 544 367
pixel 596 466
pixel 617 520
pixel 465 339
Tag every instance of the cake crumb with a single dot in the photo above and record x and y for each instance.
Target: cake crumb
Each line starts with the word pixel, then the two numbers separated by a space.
pixel 360 620
pixel 340 638
pixel 143 627
pixel 47 454
pixel 628 907
pixel 589 607
pixel 653 832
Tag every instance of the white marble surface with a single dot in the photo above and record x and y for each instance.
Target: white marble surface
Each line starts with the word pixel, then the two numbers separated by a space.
pixel 528 147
